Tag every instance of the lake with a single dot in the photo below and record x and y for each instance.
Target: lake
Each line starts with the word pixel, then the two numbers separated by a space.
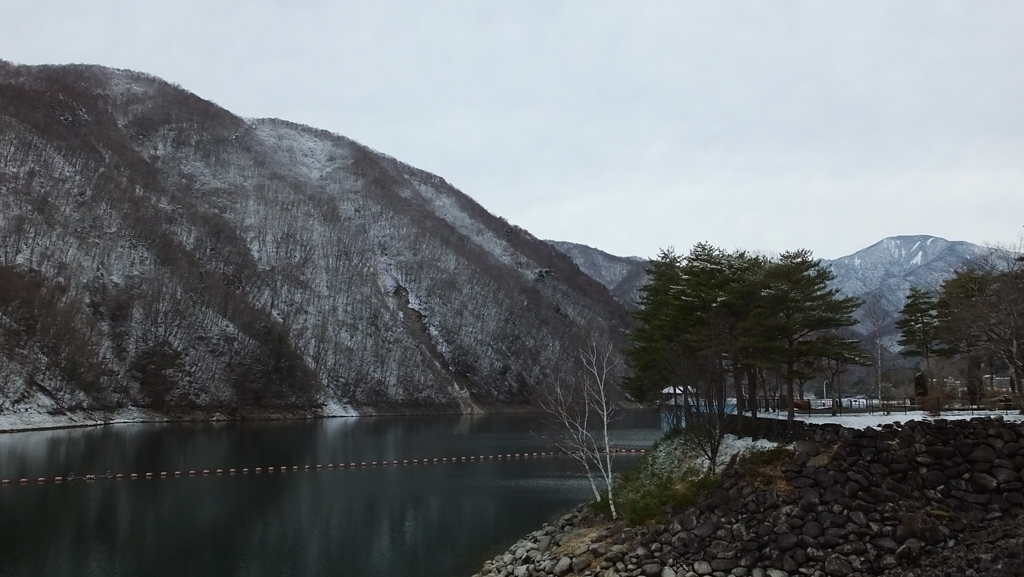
pixel 440 519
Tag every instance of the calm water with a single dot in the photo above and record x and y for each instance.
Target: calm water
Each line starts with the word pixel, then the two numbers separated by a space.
pixel 424 520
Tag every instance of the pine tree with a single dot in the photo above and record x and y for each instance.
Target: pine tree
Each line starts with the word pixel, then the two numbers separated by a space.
pixel 919 326
pixel 654 351
pixel 797 311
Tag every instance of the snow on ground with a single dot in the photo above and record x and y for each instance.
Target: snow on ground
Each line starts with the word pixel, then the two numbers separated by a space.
pixel 333 408
pixel 861 420
pixel 672 456
pixel 26 420
pixel 31 419
pixel 732 445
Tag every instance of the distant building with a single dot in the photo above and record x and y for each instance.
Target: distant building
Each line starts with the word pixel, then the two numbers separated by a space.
pixel 676 400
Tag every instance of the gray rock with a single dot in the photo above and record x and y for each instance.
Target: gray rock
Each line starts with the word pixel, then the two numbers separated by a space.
pixel 852 548
pixel 801 482
pixel 834 493
pixel 724 565
pixel 651 570
pixel 984 482
pixel 687 521
pixel 941 453
pixel 544 543
pixel 789 565
pixel 749 559
pixel 933 479
pixel 934 534
pixel 886 544
pixel 702 568
pixel 809 448
pixel 705 530
pixel 668 572
pixel 911 550
pixel 883 495
pixel 813 529
pixel 829 542
pixel 837 567
pixel 562 567
pixel 581 563
pixel 983 454
pixel 786 541
pixel 777 573
pixel 1004 475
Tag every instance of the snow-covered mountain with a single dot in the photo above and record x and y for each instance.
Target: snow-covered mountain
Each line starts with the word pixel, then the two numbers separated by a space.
pixel 622 275
pixel 886 270
pixel 158 251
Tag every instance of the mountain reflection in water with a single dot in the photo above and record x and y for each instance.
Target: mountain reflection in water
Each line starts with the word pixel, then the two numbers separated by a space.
pixel 436 519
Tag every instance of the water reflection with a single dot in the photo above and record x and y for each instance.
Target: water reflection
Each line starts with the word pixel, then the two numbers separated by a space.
pixel 427 520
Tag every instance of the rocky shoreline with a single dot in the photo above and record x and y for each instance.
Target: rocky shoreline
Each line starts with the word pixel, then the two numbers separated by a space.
pixel 922 498
pixel 24 421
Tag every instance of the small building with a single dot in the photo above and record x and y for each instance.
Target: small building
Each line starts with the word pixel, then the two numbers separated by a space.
pixel 674 402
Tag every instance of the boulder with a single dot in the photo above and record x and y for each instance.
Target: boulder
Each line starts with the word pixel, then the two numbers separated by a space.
pixel 705 530
pixel 983 454
pixel 702 568
pixel 1004 476
pixel 984 482
pixel 562 567
pixel 911 550
pixel 581 563
pixel 838 566
pixel 786 541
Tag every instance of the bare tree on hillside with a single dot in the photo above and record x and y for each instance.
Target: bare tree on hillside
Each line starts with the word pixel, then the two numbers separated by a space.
pixel 705 425
pixel 877 319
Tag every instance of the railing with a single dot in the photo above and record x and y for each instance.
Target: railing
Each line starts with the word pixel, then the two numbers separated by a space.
pixel 905 406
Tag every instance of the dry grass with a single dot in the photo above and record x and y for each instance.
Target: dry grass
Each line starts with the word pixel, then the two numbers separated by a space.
pixel 577 538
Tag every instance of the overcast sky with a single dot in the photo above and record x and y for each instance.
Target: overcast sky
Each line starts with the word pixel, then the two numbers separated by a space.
pixel 629 126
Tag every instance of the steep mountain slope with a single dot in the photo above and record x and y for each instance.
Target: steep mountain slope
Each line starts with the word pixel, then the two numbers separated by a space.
pixel 885 271
pixel 157 250
pixel 623 276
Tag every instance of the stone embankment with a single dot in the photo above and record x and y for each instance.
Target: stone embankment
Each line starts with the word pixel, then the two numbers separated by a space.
pixel 919 499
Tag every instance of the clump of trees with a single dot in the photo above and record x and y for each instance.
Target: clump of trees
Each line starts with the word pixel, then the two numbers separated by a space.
pixel 715 324
pixel 975 319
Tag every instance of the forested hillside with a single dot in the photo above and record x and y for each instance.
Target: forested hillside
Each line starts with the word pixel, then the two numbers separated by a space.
pixel 158 251
pixel 624 276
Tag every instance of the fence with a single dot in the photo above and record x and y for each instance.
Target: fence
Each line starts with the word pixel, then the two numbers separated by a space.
pixel 906 405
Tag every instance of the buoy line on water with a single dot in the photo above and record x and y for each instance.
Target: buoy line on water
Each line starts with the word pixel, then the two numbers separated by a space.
pixel 294 468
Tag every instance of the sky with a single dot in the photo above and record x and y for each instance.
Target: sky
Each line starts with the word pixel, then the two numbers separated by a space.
pixel 629 126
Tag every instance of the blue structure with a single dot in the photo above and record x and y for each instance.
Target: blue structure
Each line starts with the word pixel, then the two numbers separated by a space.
pixel 673 413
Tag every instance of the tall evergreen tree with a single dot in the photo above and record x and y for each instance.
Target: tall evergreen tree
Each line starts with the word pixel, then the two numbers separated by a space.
pixel 919 326
pixel 797 311
pixel 654 353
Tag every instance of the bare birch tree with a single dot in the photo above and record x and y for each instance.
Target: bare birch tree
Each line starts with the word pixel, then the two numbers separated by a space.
pixel 581 407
